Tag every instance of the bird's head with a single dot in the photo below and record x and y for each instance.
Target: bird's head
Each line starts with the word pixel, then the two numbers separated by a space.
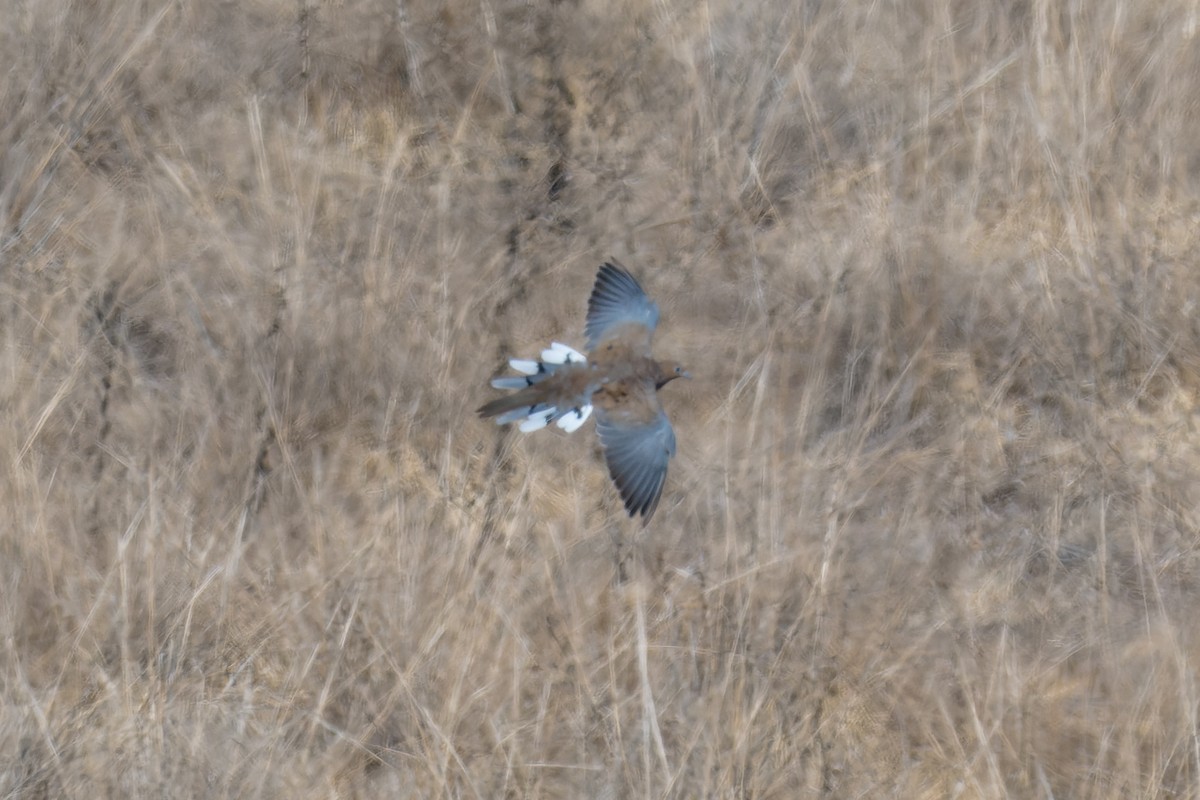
pixel 669 371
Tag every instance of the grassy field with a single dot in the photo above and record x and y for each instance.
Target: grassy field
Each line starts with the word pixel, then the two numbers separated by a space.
pixel 932 528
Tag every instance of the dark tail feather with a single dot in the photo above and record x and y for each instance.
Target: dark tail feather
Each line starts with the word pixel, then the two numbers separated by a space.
pixel 526 398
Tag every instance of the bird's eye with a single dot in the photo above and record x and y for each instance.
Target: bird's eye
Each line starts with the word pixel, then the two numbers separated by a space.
pixel 678 369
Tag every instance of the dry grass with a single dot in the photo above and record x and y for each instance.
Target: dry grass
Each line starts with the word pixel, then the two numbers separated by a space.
pixel 932 530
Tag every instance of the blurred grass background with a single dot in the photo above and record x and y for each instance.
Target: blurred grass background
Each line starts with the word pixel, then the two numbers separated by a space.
pixel 931 531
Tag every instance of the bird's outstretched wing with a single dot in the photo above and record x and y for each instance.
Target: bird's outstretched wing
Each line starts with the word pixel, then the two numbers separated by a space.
pixel 619 308
pixel 638 443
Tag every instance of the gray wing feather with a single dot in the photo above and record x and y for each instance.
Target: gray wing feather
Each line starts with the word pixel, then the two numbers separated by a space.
pixel 637 457
pixel 617 299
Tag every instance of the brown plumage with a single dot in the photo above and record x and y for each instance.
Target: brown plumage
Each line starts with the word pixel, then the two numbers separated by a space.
pixel 620 378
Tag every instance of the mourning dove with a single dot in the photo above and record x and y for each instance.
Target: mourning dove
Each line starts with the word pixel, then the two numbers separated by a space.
pixel 619 378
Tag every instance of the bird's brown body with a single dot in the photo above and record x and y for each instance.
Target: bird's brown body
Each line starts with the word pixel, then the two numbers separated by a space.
pixel 615 379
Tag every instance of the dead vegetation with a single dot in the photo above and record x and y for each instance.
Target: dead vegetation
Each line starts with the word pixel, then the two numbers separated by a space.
pixel 932 527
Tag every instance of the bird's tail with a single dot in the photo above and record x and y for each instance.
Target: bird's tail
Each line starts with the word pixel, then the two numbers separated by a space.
pixel 529 403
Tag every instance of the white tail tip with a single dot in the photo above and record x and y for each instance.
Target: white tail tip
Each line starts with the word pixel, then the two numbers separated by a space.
pixel 573 419
pixel 559 353
pixel 524 366
pixel 536 421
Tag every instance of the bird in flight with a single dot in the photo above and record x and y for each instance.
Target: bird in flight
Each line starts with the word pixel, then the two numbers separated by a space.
pixel 619 378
